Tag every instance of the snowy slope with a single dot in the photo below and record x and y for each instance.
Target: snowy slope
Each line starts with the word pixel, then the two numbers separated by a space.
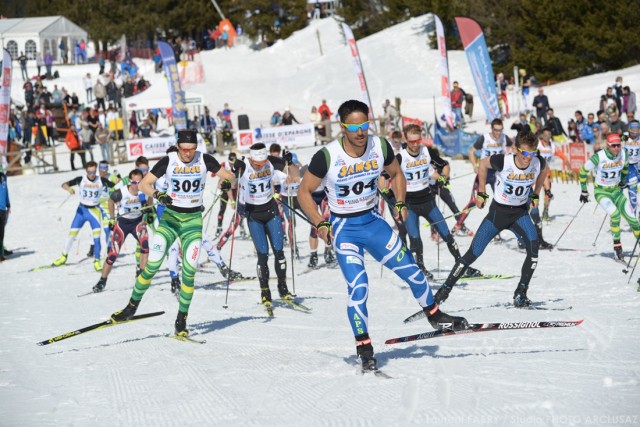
pixel 298 368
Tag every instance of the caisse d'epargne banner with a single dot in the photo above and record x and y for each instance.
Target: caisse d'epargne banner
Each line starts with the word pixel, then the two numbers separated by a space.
pixel 151 148
pixel 5 101
pixel 302 135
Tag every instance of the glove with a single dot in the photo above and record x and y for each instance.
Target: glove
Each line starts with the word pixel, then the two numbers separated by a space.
pixel 226 185
pixel 112 224
pixel 623 185
pixel 163 198
pixel 549 194
pixel 442 181
pixel 584 197
pixel 150 217
pixel 483 196
pixel 71 191
pixel 287 156
pixel 324 224
pixel 276 196
pixel 385 192
pixel 624 137
pixel 399 206
pixel 534 198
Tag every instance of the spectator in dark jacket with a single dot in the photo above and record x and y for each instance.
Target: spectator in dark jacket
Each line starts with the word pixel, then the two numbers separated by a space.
pixel 541 102
pixel 5 210
pixel 554 124
pixel 521 124
pixel 288 118
pixel 628 101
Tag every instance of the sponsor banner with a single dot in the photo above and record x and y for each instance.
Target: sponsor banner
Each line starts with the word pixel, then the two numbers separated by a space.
pixel 475 47
pixel 443 66
pixel 6 68
pixel 454 142
pixel 175 88
pixel 287 136
pixel 151 148
pixel 364 91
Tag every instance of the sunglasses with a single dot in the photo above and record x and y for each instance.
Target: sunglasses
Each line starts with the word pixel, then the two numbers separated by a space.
pixel 615 145
pixel 354 128
pixel 132 182
pixel 497 129
pixel 91 172
pixel 143 169
pixel 187 150
pixel 528 153
pixel 414 141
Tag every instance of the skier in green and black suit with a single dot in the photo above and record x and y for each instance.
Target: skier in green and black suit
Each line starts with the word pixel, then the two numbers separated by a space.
pixel 186 171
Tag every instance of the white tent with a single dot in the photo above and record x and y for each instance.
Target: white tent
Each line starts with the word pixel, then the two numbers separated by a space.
pixel 42 34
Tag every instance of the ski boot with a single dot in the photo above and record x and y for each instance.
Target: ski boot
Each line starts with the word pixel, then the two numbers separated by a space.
pixel 520 297
pixel 181 325
pixel 461 230
pixel 328 256
pixel 617 249
pixel 62 260
pixel 99 287
pixel 97 265
pixel 364 349
pixel 425 271
pixel 545 214
pixel 175 285
pixel 313 260
pixel 138 271
pixel 218 232
pixel 542 243
pixel 90 253
pixel 472 272
pixel 284 291
pixel 442 294
pixel 127 313
pixel 265 295
pixel 440 320
pixel 229 274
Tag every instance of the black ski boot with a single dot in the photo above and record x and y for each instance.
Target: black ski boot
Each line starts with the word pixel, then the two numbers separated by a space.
pixel 127 313
pixel 520 297
pixel 425 271
pixel 328 256
pixel 364 349
pixel 617 249
pixel 472 272
pixel 543 244
pixel 224 270
pixel 218 232
pixel 90 253
pixel 138 271
pixel 181 325
pixel 175 285
pixel 99 287
pixel 440 320
pixel 265 294
pixel 313 260
pixel 284 291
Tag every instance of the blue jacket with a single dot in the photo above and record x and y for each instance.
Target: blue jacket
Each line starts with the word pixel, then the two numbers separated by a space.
pixel 4 193
pixel 587 134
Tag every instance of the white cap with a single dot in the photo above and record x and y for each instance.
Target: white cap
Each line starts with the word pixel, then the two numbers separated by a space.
pixel 259 155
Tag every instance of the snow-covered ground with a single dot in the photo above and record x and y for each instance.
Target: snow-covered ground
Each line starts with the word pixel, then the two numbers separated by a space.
pixel 299 368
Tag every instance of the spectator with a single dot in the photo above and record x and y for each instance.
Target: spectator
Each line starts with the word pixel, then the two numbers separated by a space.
pixel 5 210
pixel 39 62
pixel 88 87
pixel 133 124
pixel 64 54
pixel 75 102
pixel 48 62
pixel 598 140
pixel 541 102
pixel 587 135
pixel 608 101
pixel 315 118
pixel 525 84
pixel 554 124
pixel 390 116
pixel 86 134
pixel 101 64
pixel 56 95
pixel 580 121
pixel 288 118
pixel 100 92
pixel 226 114
pixel 276 119
pixel 520 124
pixel 618 92
pixel 225 38
pixel 22 60
pixel 324 108
pixel 102 137
pixel 628 102
pixel 574 135
pixel 457 96
pixel 615 124
pixel 113 91
pixel 207 124
pixel 602 116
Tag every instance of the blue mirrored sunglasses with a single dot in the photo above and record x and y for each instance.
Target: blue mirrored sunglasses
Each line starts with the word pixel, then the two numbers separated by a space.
pixel 354 128
pixel 528 153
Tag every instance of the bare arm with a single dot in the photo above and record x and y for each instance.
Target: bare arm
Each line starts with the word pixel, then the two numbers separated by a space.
pixel 472 158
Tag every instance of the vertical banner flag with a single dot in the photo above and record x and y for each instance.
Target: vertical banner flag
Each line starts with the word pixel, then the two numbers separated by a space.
pixel 175 89
pixel 364 91
pixel 5 101
pixel 445 99
pixel 475 47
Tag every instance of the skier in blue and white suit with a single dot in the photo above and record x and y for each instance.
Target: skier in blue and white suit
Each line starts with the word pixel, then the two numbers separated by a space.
pixel 348 168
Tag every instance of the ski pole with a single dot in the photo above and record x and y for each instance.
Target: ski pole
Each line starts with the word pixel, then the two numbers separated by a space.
pixel 208 212
pixel 450 216
pixel 600 229
pixel 634 269
pixel 460 176
pixel 65 200
pixel 626 269
pixel 555 245
pixel 233 235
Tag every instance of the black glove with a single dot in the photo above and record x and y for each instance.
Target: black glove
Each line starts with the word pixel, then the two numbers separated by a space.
pixel 442 181
pixel 549 194
pixel 534 197
pixel 584 197
pixel 150 217
pixel 399 206
pixel 623 185
pixel 225 185
pixel 483 196
pixel 112 224
pixel 287 156
pixel 163 198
